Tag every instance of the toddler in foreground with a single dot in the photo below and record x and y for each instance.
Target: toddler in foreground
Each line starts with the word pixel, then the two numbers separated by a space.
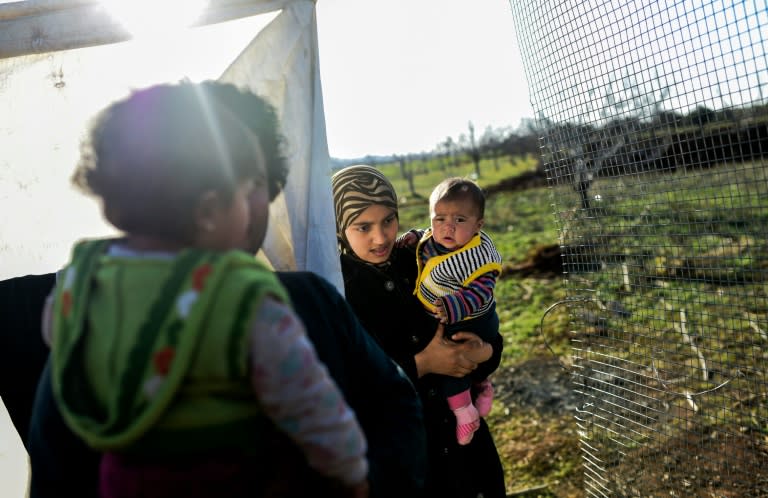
pixel 174 351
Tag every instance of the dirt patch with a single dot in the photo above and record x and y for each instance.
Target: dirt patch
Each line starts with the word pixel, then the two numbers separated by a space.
pixel 528 179
pixel 700 465
pixel 537 435
pixel 540 383
pixel 542 261
pixel 538 439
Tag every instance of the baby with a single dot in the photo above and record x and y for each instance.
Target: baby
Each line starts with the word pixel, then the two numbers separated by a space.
pixel 458 268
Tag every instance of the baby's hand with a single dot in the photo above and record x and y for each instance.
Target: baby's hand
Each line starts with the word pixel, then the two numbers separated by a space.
pixel 440 312
pixel 408 239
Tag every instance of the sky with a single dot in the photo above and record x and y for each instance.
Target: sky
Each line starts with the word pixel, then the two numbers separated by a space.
pixel 400 76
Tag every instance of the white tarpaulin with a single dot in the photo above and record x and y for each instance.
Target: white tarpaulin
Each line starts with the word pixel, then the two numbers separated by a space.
pixel 57 72
pixel 62 61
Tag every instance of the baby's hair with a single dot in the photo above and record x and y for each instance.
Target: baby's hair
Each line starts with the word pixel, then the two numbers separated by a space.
pixel 259 117
pixel 150 156
pixel 457 189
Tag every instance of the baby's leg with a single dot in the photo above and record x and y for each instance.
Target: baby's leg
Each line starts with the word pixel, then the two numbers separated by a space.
pixel 467 418
pixel 484 397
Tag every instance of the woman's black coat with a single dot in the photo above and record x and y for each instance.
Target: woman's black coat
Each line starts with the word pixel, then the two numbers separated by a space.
pixel 382 297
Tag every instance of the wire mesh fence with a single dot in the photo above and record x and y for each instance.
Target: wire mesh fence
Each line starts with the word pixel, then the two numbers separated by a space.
pixel 654 125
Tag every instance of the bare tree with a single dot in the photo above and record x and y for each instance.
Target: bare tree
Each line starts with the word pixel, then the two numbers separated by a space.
pixel 627 112
pixel 491 144
pixel 443 154
pixel 453 151
pixel 406 171
pixel 473 149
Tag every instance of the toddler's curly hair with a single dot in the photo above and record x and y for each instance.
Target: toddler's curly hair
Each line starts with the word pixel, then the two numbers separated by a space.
pixel 150 156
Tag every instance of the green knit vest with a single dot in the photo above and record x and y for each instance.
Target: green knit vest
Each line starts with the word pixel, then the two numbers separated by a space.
pixel 152 354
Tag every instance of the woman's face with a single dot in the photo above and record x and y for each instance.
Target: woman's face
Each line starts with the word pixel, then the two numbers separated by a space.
pixel 371 235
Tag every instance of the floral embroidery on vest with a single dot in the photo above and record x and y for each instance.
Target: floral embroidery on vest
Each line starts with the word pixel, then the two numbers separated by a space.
pixel 162 359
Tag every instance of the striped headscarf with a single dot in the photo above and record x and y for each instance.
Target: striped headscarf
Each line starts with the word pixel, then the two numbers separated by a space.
pixel 355 189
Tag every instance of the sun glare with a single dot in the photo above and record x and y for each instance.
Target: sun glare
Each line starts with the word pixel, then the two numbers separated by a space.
pixel 152 18
pixel 43 121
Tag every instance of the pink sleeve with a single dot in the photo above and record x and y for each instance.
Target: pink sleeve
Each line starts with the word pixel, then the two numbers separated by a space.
pixel 299 395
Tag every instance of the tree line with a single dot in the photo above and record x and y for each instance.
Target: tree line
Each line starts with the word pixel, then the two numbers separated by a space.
pixel 578 153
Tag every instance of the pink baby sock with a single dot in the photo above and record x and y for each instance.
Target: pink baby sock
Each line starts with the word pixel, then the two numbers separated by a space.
pixel 467 418
pixel 484 397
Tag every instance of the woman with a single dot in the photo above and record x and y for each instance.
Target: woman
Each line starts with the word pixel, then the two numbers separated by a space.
pixel 379 281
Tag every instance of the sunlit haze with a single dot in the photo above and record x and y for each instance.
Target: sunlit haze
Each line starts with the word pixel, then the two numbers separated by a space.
pixel 402 75
pixel 167 17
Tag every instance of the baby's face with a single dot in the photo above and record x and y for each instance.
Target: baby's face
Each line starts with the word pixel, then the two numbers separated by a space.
pixel 454 223
pixel 241 223
pixel 244 222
